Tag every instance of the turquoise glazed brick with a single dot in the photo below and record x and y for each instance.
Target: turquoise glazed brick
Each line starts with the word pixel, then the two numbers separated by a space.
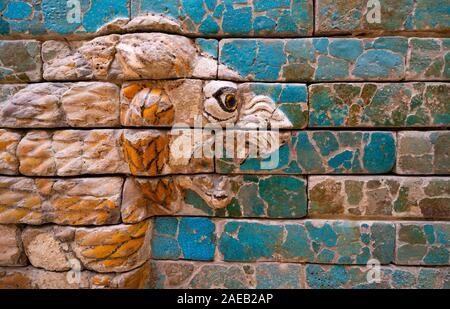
pixel 313 241
pixel 198 275
pixel 350 17
pixel 423 243
pixel 20 61
pixel 428 59
pixel 420 152
pixel 210 47
pixel 313 59
pixel 379 105
pixel 321 152
pixel 183 238
pixel 357 277
pixel 46 17
pixel 228 17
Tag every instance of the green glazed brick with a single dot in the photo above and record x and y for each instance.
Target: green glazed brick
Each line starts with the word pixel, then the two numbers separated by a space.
pixel 362 277
pixel 31 18
pixel 428 59
pixel 423 152
pixel 228 18
pixel 379 196
pixel 356 16
pixel 311 152
pixel 379 105
pixel 312 241
pixel 20 61
pixel 313 59
pixel 423 243
pixel 272 196
pixel 198 275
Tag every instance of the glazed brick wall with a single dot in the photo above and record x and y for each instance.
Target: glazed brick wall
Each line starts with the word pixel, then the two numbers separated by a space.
pixel 90 180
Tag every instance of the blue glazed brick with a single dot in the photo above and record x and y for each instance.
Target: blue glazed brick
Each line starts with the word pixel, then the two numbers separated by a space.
pixel 35 17
pixel 379 105
pixel 341 17
pixel 183 238
pixel 313 59
pixel 359 277
pixel 423 244
pixel 321 152
pixel 224 17
pixel 335 242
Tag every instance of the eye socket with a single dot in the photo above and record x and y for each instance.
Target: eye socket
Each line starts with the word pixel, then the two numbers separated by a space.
pixel 230 101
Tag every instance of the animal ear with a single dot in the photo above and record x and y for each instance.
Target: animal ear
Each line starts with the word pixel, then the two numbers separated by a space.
pixel 261 111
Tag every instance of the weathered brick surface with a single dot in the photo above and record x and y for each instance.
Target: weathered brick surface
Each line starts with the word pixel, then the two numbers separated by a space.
pixel 224 144
pixel 318 152
pixel 9 164
pixel 379 196
pixel 20 61
pixel 249 18
pixel 423 152
pixel 117 248
pixel 197 275
pixel 36 278
pixel 181 102
pixel 214 195
pixel 11 249
pixel 337 242
pixel 391 277
pixel 428 59
pixel 75 201
pixel 31 18
pixel 355 16
pixel 423 243
pixel 47 105
pixel 379 105
pixel 126 57
pixel 313 59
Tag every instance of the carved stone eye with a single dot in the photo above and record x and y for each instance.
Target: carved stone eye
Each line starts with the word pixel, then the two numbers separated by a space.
pixel 226 96
pixel 230 101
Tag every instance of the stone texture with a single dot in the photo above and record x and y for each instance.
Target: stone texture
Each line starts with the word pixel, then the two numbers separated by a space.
pixel 224 18
pixel 353 16
pixel 20 61
pixel 11 250
pixel 75 201
pixel 47 105
pixel 312 241
pixel 379 196
pixel 181 102
pixel 379 105
pixel 197 275
pixel 423 152
pixel 117 248
pixel 127 57
pixel 214 195
pixel 189 238
pixel 32 18
pixel 392 277
pixel 423 243
pixel 313 59
pixel 71 152
pixel 35 278
pixel 314 152
pixel 428 59
pixel 9 164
